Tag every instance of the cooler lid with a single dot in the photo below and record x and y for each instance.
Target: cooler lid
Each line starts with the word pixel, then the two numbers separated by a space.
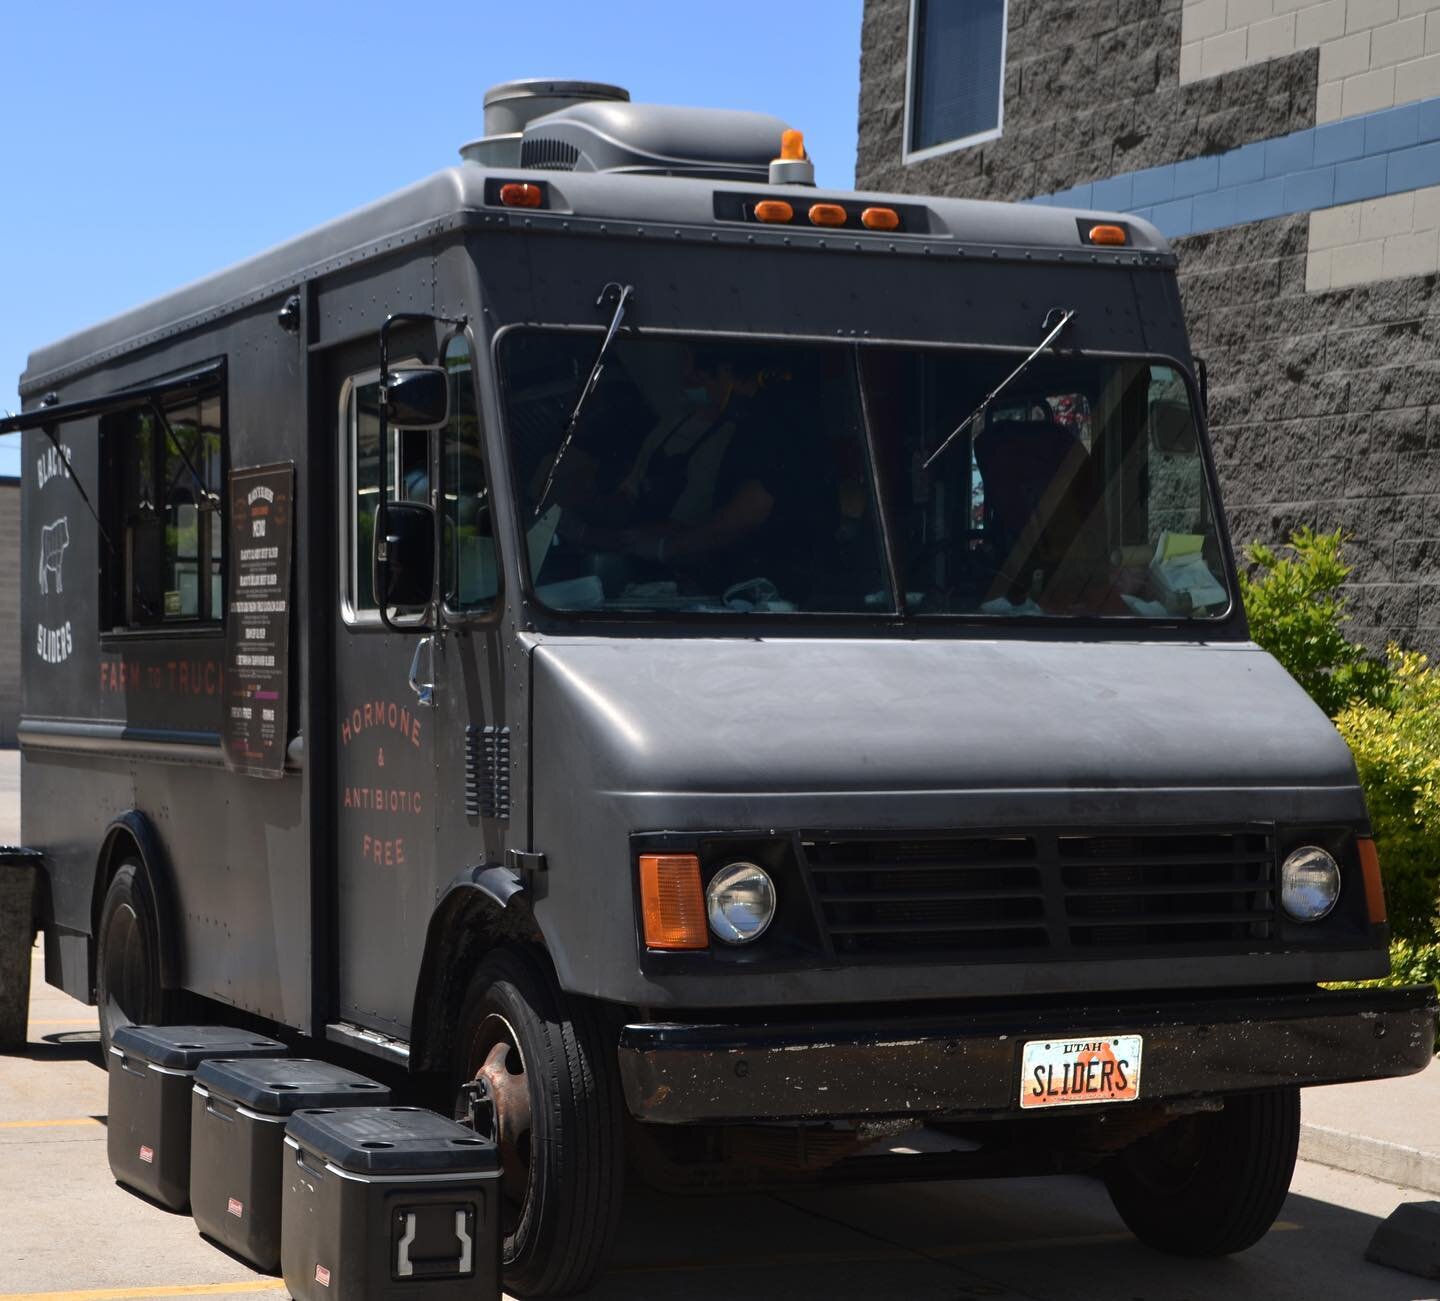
pixel 392 1140
pixel 184 1047
pixel 278 1086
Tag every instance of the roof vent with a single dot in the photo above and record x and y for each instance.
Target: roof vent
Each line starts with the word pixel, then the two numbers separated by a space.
pixel 591 127
pixel 513 105
pixel 547 155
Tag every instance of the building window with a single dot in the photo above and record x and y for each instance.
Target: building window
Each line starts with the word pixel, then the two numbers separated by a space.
pixel 164 470
pixel 956 77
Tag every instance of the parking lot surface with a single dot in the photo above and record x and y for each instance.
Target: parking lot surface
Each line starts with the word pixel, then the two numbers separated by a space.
pixel 68 1232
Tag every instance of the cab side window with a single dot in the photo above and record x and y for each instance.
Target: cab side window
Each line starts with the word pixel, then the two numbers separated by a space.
pixel 403 472
pixel 164 467
pixel 470 564
pixel 469 569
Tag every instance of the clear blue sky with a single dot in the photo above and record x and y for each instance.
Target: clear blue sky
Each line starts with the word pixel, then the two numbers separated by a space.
pixel 146 144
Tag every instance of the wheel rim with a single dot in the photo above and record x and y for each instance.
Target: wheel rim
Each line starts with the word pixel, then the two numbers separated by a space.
pixel 126 969
pixel 497 1060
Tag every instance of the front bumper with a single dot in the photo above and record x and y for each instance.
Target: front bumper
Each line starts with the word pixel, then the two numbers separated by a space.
pixel 969 1063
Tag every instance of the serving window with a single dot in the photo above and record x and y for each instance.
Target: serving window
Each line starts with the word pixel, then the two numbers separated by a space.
pixel 164 474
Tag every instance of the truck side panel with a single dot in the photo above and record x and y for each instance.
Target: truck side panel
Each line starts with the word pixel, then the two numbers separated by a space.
pixel 113 721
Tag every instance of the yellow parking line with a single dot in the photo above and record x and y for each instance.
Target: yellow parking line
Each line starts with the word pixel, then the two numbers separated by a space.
pixel 882 1252
pixel 122 1293
pixel 47 1124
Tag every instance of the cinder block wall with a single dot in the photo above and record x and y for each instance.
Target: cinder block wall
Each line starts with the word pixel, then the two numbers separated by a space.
pixel 1325 384
pixel 10 580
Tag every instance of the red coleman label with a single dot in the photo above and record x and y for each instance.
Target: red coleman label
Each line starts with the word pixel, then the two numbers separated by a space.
pixel 236 1207
pixel 147 1155
pixel 322 1275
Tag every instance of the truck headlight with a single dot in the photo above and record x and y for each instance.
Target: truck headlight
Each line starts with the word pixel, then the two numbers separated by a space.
pixel 740 902
pixel 1309 884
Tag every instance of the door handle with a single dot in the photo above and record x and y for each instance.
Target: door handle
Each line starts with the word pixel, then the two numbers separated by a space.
pixel 424 690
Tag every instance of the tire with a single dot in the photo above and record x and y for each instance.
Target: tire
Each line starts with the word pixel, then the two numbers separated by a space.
pixel 127 960
pixel 1212 1183
pixel 563 1177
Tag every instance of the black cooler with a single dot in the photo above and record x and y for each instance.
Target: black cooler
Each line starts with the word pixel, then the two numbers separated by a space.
pixel 237 1142
pixel 383 1203
pixel 148 1128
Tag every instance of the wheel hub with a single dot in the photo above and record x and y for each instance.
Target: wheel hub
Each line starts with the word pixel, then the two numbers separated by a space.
pixel 502 1075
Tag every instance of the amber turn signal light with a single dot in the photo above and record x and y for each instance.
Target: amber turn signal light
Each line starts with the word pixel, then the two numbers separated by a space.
pixel 521 194
pixel 827 214
pixel 880 219
pixel 1370 873
pixel 1108 235
pixel 672 902
pixel 774 210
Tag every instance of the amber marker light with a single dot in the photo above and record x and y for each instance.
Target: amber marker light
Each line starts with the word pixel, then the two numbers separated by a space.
pixel 774 210
pixel 521 194
pixel 792 146
pixel 1370 873
pixel 827 214
pixel 672 902
pixel 880 219
pixel 1108 235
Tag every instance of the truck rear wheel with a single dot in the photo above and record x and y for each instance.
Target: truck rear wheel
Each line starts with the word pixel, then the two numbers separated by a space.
pixel 1212 1183
pixel 553 1079
pixel 127 961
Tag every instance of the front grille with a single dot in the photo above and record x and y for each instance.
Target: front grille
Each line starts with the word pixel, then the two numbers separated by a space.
pixel 1054 893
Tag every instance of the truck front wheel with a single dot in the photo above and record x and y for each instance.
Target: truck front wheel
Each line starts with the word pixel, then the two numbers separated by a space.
pixel 1212 1183
pixel 552 1077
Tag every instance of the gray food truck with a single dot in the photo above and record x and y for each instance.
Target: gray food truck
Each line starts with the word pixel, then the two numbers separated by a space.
pixel 742 670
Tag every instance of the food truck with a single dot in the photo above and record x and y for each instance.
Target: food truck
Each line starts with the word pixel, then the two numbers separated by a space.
pixel 739 670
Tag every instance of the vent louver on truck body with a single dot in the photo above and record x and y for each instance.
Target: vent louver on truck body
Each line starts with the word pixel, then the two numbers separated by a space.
pixel 487 772
pixel 546 155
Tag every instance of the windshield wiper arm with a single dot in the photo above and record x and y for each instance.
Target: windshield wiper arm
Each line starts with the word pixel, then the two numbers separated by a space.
pixel 1052 334
pixel 622 294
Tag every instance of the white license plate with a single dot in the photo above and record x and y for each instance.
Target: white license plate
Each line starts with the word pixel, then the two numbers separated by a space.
pixel 1067 1072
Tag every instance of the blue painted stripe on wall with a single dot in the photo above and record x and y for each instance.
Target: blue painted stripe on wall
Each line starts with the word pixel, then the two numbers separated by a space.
pixel 1366 157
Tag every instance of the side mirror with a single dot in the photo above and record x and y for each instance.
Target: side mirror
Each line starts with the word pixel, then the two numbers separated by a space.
pixel 404 565
pixel 417 397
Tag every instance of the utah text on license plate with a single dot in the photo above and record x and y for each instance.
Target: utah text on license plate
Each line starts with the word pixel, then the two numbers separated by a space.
pixel 1063 1072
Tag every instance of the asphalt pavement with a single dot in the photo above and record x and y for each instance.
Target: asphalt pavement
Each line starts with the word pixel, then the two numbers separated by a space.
pixel 68 1232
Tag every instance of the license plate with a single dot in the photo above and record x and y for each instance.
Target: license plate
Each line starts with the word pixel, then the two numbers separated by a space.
pixel 1067 1072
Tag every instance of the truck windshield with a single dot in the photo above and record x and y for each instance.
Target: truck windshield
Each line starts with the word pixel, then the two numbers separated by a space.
pixel 714 476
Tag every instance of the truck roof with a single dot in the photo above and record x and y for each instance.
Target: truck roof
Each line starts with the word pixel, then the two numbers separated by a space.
pixel 606 203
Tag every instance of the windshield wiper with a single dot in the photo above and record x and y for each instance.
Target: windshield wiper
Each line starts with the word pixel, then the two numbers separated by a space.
pixel 622 295
pixel 1066 316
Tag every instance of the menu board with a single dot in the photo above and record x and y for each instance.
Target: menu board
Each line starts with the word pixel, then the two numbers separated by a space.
pixel 257 618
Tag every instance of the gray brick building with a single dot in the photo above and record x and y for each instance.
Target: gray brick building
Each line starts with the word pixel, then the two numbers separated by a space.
pixel 1290 149
pixel 10 578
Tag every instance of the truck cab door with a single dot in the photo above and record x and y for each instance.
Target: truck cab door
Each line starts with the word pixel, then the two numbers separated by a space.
pixel 384 737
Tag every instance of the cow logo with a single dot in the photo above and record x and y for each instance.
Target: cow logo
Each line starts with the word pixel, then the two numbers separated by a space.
pixel 54 538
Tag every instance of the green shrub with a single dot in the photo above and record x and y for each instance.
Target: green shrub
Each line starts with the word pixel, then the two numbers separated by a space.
pixel 1397 751
pixel 1297 612
pixel 1413 964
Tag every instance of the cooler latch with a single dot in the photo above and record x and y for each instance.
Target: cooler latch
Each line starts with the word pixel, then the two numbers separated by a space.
pixel 433 1241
